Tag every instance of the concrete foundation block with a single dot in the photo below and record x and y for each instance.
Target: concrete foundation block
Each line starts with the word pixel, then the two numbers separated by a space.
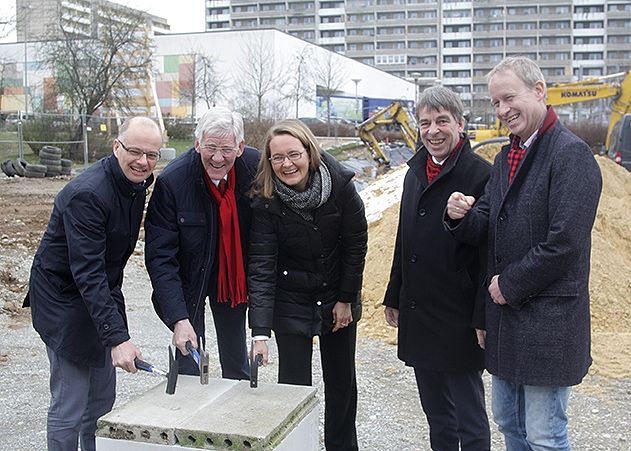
pixel 223 415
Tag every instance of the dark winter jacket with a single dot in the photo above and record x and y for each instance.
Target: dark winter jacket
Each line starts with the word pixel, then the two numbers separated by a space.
pixel 75 287
pixel 300 269
pixel 436 281
pixel 539 238
pixel 181 234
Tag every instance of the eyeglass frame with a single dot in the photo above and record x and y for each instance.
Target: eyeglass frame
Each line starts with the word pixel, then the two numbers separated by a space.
pixel 225 151
pixel 295 157
pixel 137 153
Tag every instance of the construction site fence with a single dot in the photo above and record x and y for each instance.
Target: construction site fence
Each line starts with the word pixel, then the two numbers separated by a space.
pixel 81 138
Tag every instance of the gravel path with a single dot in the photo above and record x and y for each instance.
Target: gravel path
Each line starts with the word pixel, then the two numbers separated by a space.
pixel 389 416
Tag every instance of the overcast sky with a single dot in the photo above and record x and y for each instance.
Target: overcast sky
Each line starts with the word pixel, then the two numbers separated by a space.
pixel 182 15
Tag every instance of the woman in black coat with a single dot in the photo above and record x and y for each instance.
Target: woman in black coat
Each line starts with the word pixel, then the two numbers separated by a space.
pixel 306 259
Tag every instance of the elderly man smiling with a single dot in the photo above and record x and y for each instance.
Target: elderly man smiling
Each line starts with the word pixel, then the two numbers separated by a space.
pixel 197 231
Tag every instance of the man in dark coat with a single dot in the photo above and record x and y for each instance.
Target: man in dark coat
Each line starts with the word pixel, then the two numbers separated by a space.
pixel 537 213
pixel 435 295
pixel 197 234
pixel 75 292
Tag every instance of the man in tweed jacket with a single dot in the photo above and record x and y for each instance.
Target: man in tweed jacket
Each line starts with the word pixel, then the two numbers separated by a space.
pixel 537 212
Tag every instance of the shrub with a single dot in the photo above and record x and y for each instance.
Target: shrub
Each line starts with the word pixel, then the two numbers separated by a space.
pixel 180 130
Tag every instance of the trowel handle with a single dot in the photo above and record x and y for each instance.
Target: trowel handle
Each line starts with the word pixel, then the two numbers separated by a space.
pixel 194 352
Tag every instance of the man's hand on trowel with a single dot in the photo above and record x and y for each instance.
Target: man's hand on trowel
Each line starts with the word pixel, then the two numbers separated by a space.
pixel 260 347
pixel 123 356
pixel 183 332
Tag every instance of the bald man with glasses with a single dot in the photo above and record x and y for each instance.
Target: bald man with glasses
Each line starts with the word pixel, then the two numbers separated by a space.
pixel 197 233
pixel 75 289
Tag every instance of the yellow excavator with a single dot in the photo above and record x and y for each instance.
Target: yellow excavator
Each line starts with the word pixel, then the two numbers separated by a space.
pixel 395 115
pixel 616 86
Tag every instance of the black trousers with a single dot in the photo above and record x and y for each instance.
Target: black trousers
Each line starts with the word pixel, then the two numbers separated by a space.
pixel 455 409
pixel 337 353
pixel 231 343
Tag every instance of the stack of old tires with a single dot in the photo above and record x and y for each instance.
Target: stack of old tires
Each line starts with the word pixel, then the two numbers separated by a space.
pixel 21 168
pixel 50 157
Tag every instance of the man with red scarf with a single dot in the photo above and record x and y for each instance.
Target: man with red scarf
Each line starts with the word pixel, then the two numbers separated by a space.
pixel 435 296
pixel 536 214
pixel 197 230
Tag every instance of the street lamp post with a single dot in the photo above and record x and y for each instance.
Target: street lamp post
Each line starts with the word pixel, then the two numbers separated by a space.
pixel 356 81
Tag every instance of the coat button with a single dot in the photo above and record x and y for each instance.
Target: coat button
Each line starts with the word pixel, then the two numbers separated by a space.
pixel 315 227
pixel 106 326
pixel 321 255
pixel 266 205
pixel 319 303
pixel 413 258
pixel 181 220
pixel 324 284
pixel 413 305
pixel 422 212
pixel 285 273
pixel 502 217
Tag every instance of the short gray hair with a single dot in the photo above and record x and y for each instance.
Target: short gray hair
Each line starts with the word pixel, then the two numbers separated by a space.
pixel 221 122
pixel 439 97
pixel 524 68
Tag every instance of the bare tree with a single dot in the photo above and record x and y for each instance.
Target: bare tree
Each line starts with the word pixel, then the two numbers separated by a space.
pixel 300 82
pixel 106 68
pixel 330 76
pixel 258 75
pixel 202 81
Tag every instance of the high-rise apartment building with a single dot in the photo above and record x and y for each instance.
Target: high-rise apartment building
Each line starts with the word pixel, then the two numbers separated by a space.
pixel 39 19
pixel 449 41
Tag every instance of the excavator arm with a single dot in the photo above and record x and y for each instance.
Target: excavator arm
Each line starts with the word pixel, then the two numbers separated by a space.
pixel 394 114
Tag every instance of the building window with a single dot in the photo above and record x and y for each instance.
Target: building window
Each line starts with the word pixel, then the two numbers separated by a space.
pixel 457 28
pixel 332 34
pixel 488 43
pixel 272 7
pixel 301 20
pixel 217 25
pixel 422 14
pixel 521 11
pixel 391 45
pixel 551 40
pixel 457 58
pixel 555 25
pixel 457 44
pixel 456 13
pixel 427 60
pixel 520 42
pixel 361 31
pixel 588 24
pixel 589 9
pixel 561 9
pixel 619 23
pixel 245 23
pixel 299 6
pixel 457 74
pixel 390 30
pixel 390 59
pixel 331 19
pixel 244 9
pixel 422 44
pixel 488 27
pixel 272 21
pixel 582 40
pixel 489 58
pixel 488 12
pixel 218 11
pixel 329 5
pixel 521 26
pixel 553 71
pixel 553 56
pixel 619 39
pixel 391 16
pixel 620 7
pixel 369 61
pixel 427 29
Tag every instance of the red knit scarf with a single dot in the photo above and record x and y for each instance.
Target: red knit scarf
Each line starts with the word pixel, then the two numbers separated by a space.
pixel 433 169
pixel 231 284
pixel 517 153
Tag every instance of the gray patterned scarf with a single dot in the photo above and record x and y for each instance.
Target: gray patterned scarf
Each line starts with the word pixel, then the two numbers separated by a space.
pixel 305 202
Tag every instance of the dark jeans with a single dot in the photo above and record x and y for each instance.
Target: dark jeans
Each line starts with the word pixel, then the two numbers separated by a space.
pixel 233 351
pixel 79 395
pixel 337 353
pixel 455 409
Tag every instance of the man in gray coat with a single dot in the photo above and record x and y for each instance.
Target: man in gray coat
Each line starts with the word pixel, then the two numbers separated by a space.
pixel 537 212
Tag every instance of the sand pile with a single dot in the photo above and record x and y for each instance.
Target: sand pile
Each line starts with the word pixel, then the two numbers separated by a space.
pixel 610 280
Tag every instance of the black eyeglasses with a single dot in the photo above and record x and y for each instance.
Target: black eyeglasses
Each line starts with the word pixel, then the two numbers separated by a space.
pixel 137 154
pixel 279 159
